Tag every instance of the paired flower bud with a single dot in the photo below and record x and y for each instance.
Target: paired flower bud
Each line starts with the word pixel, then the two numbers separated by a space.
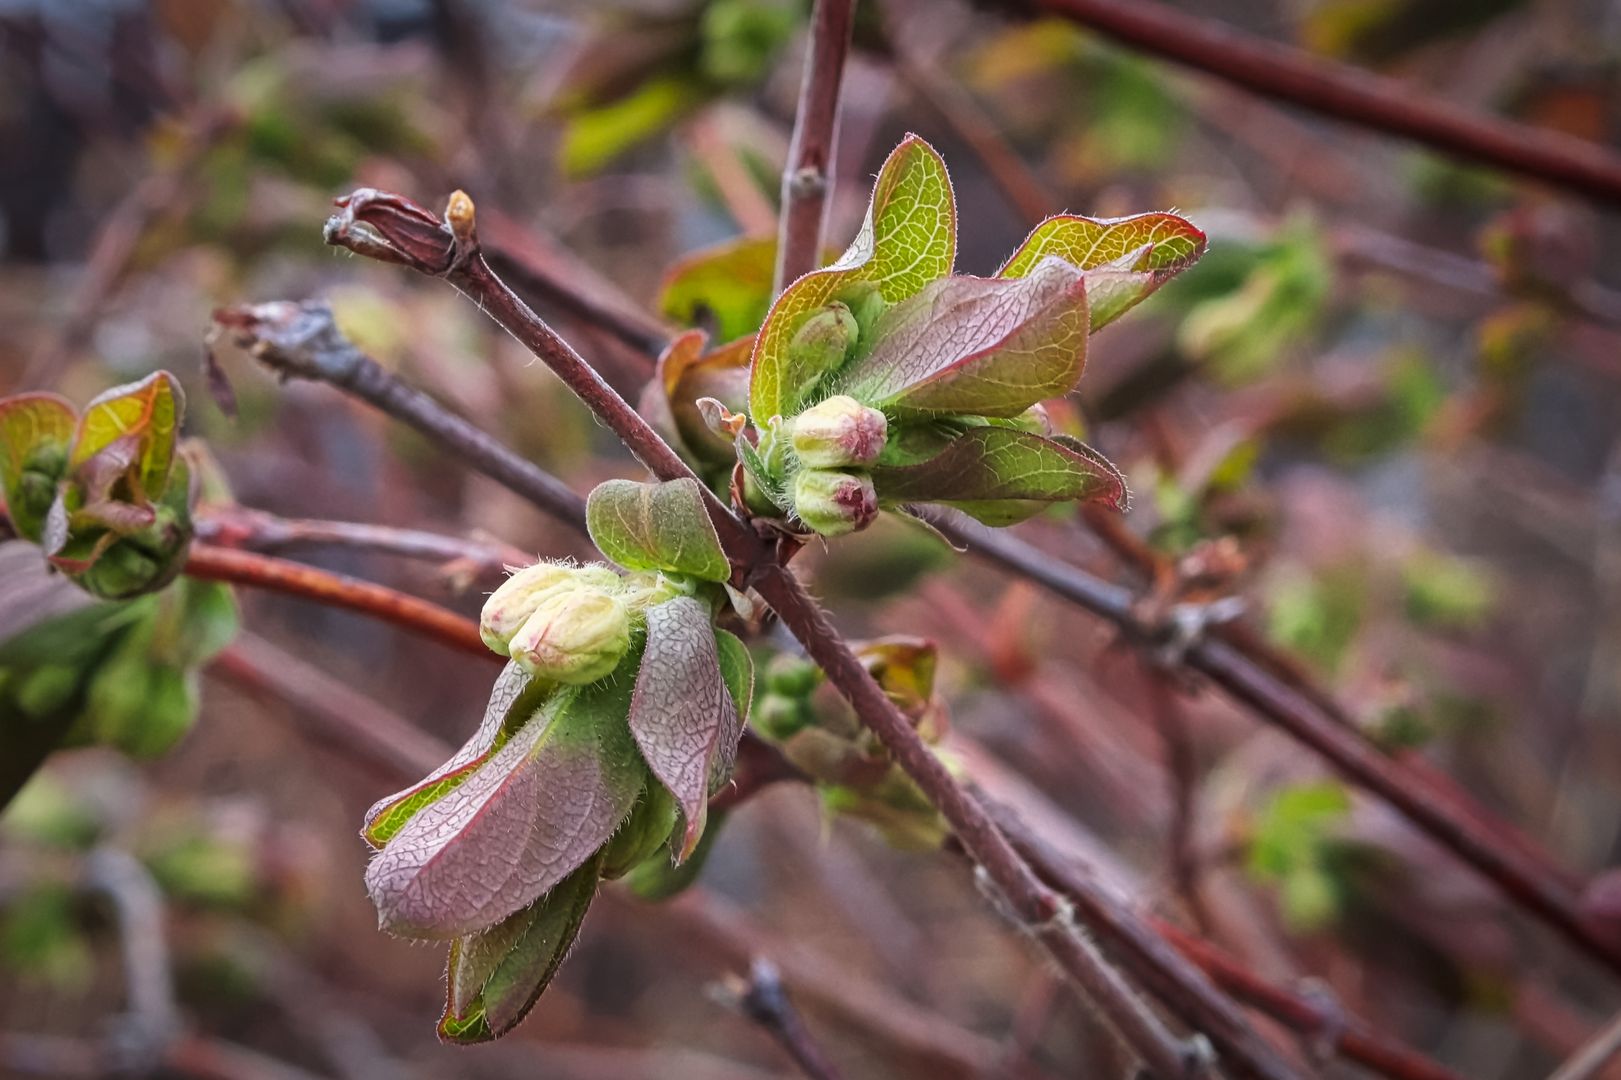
pixel 839 432
pixel 833 503
pixel 559 622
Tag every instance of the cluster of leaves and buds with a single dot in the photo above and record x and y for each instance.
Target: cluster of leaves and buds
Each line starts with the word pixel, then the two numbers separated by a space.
pixel 104 493
pixel 885 381
pixel 616 719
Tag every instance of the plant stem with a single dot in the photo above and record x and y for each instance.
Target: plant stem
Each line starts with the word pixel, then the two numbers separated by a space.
pixel 301 341
pixel 256 530
pixel 1373 101
pixel 807 176
pixel 763 999
pixel 210 563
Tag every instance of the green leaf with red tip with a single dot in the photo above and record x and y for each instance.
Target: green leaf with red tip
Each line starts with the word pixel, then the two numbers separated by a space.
pixel 977 346
pixel 494 977
pixel 663 526
pixel 35 431
pixel 682 714
pixel 1140 253
pixel 908 239
pixel 542 805
pixel 150 412
pixel 1001 475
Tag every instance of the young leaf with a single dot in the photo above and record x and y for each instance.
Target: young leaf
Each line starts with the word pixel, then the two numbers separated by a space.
pixel 495 977
pixel 33 429
pixel 542 805
pixel 149 410
pixel 682 714
pixel 685 377
pixel 980 346
pixel 909 238
pixel 1000 475
pixel 660 526
pixel 1169 244
pixel 729 284
pixel 514 698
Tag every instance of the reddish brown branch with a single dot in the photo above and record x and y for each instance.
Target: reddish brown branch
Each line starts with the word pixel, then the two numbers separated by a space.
pixel 256 530
pixel 211 563
pixel 1297 78
pixel 808 175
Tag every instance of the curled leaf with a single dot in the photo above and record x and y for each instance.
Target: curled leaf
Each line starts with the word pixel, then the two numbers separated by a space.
pixel 35 430
pixel 148 412
pixel 682 714
pixel 525 819
pixel 662 526
pixel 909 238
pixel 1001 475
pixel 981 346
pixel 495 977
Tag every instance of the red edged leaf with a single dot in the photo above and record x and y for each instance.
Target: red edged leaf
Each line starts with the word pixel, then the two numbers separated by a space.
pixel 149 411
pixel 1001 475
pixel 542 805
pixel 682 714
pixel 981 346
pixel 33 428
pixel 908 239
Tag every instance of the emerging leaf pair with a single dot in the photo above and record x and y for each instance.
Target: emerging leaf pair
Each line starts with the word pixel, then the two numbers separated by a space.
pixel 617 718
pixel 885 380
pixel 104 493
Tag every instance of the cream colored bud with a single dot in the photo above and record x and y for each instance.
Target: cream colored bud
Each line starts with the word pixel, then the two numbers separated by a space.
pixel 839 432
pixel 578 634
pixel 510 605
pixel 834 503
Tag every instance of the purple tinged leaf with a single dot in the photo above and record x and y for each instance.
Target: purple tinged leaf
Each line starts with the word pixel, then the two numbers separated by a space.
pixel 1000 475
pixel 981 346
pixel 513 698
pixel 682 714
pixel 662 526
pixel 542 805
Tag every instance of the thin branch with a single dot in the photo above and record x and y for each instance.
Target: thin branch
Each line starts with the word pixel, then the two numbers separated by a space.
pixel 763 999
pixel 256 530
pixel 209 563
pixel 151 1019
pixel 807 176
pixel 1297 78
pixel 301 341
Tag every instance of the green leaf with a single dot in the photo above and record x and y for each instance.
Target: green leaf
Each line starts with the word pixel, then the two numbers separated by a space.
pixel 977 346
pixel 595 135
pixel 660 879
pixel 495 977
pixel 663 526
pixel 682 714
pixel 1000 475
pixel 909 238
pixel 149 410
pixel 537 810
pixel 729 284
pixel 1132 256
pixel 35 430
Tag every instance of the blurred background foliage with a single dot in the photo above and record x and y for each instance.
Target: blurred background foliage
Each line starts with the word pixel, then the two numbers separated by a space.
pixel 1383 409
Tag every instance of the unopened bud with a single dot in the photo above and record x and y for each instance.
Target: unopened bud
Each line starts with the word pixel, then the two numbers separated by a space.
pixel 838 432
pixel 834 503
pixel 510 606
pixel 820 345
pixel 1034 419
pixel 576 635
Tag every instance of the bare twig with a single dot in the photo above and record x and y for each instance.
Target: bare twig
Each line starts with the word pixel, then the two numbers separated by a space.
pixel 808 175
pixel 211 563
pixel 301 341
pixel 256 530
pixel 763 999
pixel 151 1019
pixel 1297 78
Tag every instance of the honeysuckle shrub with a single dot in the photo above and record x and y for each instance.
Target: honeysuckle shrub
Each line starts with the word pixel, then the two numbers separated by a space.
pixel 886 381
pixel 882 382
